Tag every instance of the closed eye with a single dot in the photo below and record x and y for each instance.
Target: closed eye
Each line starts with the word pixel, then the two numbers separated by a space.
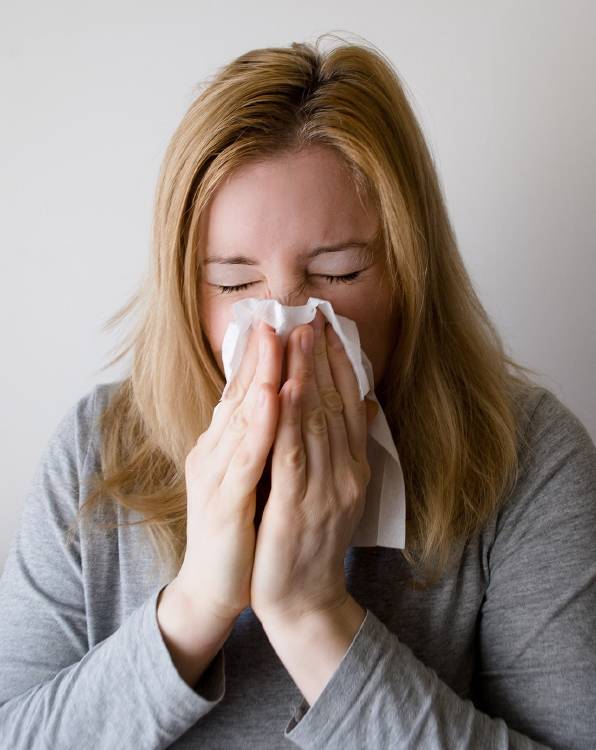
pixel 345 279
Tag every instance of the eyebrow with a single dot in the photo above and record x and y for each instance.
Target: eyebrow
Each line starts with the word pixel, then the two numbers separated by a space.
pixel 242 260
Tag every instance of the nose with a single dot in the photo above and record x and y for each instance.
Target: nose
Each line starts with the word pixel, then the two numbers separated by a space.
pixel 294 298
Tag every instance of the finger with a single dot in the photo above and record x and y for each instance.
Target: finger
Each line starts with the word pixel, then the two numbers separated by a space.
pixel 235 389
pixel 354 407
pixel 243 414
pixel 288 462
pixel 260 364
pixel 329 395
pixel 268 370
pixel 314 423
pixel 248 453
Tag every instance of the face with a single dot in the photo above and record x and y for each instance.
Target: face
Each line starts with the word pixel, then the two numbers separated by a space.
pixel 288 229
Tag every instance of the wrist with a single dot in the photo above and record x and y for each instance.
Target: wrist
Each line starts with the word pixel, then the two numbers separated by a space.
pixel 191 635
pixel 347 615
pixel 177 607
pixel 312 646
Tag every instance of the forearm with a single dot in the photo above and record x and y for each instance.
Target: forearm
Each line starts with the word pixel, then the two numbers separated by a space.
pixel 192 638
pixel 312 647
pixel 123 690
pixel 381 695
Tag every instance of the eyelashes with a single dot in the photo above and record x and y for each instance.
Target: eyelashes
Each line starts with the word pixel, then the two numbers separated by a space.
pixel 345 279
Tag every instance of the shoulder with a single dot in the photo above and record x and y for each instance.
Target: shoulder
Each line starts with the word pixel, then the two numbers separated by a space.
pixel 556 485
pixel 75 434
pixel 55 489
pixel 554 436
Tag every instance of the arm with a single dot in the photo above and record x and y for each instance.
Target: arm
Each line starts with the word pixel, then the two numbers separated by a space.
pixel 192 639
pixel 537 671
pixel 54 690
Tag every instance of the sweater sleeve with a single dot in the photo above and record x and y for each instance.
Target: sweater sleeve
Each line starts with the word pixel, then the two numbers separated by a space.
pixel 55 691
pixel 536 675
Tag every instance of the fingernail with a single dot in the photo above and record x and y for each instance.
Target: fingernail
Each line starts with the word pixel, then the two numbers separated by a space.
pixel 306 340
pixel 373 407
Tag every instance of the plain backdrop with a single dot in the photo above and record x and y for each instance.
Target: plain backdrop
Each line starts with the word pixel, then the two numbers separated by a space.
pixel 91 94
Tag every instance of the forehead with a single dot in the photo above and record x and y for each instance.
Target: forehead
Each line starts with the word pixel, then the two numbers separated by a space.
pixel 287 202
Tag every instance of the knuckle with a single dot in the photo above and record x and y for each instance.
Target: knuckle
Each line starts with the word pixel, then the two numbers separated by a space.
pixel 295 457
pixel 316 422
pixel 365 473
pixel 243 459
pixel 238 423
pixel 333 401
pixel 305 371
pixel 360 407
pixel 351 488
pixel 320 348
pixel 233 391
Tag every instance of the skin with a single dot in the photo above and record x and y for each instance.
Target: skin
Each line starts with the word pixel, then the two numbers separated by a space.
pixel 275 213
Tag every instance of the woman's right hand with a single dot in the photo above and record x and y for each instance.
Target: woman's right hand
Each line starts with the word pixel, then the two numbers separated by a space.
pixel 222 472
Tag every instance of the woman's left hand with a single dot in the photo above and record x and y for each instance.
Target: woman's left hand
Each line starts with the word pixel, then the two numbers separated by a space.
pixel 319 474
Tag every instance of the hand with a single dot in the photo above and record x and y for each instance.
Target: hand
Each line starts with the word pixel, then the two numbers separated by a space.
pixel 222 471
pixel 319 474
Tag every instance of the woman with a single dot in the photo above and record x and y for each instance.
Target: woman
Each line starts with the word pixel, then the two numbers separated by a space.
pixel 299 173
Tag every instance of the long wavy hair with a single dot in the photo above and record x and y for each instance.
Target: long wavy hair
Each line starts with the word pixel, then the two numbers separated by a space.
pixel 451 395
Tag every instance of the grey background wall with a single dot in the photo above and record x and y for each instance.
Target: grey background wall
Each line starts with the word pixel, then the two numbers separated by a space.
pixel 92 93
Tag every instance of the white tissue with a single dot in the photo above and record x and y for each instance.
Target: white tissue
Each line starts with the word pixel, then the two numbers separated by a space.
pixel 384 518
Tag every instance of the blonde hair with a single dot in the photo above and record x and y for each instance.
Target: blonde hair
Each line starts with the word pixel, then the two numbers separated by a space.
pixel 450 393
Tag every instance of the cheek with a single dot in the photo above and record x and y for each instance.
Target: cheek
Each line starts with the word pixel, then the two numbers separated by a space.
pixel 376 333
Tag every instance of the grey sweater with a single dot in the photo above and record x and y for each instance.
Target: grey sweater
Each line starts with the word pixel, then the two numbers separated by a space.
pixel 499 654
